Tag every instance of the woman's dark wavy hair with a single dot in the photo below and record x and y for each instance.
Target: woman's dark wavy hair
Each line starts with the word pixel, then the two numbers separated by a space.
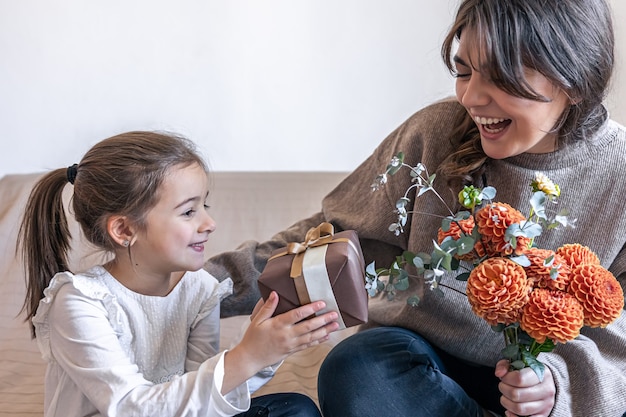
pixel 121 175
pixel 570 42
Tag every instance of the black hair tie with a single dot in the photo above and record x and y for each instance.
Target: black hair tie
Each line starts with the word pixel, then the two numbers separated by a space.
pixel 71 173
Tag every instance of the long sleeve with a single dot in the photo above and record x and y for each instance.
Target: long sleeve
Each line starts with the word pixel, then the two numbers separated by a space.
pixel 590 372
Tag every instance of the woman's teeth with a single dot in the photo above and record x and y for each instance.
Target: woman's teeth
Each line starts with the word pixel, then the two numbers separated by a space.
pixel 487 121
pixel 490 125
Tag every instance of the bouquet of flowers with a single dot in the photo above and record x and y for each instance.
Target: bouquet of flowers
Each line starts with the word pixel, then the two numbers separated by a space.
pixel 536 297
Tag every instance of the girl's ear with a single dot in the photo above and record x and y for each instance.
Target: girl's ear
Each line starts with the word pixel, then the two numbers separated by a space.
pixel 121 230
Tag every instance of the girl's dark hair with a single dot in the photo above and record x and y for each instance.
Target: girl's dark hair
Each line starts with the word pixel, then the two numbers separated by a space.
pixel 571 43
pixel 120 175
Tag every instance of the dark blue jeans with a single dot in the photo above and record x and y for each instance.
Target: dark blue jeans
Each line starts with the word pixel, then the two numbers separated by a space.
pixel 282 405
pixel 394 372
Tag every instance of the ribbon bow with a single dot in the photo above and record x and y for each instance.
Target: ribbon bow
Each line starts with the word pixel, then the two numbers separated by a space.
pixel 316 236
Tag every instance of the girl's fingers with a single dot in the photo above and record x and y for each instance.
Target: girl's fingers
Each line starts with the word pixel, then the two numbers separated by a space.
pixel 268 308
pixel 300 313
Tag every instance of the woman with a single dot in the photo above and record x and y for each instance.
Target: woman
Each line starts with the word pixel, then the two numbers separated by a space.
pixel 531 76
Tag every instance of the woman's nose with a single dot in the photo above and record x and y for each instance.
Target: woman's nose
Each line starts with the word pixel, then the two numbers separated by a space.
pixel 473 92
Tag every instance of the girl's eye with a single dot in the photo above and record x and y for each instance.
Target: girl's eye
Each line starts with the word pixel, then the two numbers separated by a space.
pixel 207 207
pixel 462 75
pixel 189 213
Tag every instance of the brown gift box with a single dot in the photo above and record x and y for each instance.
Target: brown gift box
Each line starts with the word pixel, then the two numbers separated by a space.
pixel 286 273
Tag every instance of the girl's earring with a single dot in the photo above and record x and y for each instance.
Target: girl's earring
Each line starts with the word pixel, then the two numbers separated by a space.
pixel 126 243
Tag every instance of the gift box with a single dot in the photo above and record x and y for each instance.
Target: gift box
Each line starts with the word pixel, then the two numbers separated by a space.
pixel 327 266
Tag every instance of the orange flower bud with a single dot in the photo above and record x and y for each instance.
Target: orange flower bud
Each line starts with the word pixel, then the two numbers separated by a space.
pixel 539 273
pixel 576 254
pixel 552 314
pixel 497 289
pixel 493 220
pixel 598 292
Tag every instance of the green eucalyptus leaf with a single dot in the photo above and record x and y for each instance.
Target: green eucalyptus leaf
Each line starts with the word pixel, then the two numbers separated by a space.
pixel 424 189
pixel 402 284
pixel 465 245
pixel 547 346
pixel 419 264
pixel 446 223
pixel 408 256
pixel 463 277
pixel 521 260
pixel 538 204
pixel 396 163
pixel 511 351
pixel 498 327
pixel 425 257
pixel 517 365
pixel 534 364
pixel 462 215
pixel 487 193
pixel 371 270
pixel 402 202
pixel 413 301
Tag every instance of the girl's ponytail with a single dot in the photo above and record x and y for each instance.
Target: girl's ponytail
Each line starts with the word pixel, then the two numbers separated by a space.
pixel 44 236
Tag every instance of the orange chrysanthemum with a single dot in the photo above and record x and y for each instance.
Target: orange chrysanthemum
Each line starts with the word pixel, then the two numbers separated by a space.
pixel 539 273
pixel 599 292
pixel 467 225
pixel 497 289
pixel 576 254
pixel 552 314
pixel 493 220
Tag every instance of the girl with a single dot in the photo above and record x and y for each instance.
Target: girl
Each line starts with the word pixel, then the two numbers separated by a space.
pixel 531 76
pixel 139 336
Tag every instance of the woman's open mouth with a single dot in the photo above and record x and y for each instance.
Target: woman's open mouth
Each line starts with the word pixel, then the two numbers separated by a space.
pixel 492 125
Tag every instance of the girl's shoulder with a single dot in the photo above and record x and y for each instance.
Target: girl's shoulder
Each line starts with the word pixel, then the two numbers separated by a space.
pixel 90 284
pixel 85 291
pixel 202 285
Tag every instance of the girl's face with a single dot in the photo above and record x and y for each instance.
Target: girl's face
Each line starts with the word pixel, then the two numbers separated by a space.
pixel 179 225
pixel 508 125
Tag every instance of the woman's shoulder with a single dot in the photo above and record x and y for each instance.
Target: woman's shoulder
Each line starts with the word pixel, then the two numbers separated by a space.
pixel 444 109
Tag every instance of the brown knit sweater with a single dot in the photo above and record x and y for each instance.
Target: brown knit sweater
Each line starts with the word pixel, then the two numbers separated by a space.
pixel 590 371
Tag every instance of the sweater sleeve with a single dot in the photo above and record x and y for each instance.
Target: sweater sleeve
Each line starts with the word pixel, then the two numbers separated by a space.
pixel 590 371
pixel 244 265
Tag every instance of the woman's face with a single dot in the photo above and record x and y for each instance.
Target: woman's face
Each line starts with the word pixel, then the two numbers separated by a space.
pixel 508 125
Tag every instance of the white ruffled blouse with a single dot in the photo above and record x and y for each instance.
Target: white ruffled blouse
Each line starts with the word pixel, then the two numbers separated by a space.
pixel 114 352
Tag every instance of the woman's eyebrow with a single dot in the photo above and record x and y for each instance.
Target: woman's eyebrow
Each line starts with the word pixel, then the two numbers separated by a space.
pixel 459 60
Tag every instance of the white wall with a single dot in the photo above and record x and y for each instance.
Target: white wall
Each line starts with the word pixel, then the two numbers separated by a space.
pixel 260 85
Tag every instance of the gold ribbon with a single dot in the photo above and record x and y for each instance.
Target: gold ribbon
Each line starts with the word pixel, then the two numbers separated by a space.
pixel 316 236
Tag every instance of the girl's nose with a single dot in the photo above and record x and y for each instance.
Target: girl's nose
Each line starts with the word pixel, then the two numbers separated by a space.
pixel 208 225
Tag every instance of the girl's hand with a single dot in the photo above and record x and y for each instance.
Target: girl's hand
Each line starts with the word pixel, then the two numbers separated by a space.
pixel 269 340
pixel 522 392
